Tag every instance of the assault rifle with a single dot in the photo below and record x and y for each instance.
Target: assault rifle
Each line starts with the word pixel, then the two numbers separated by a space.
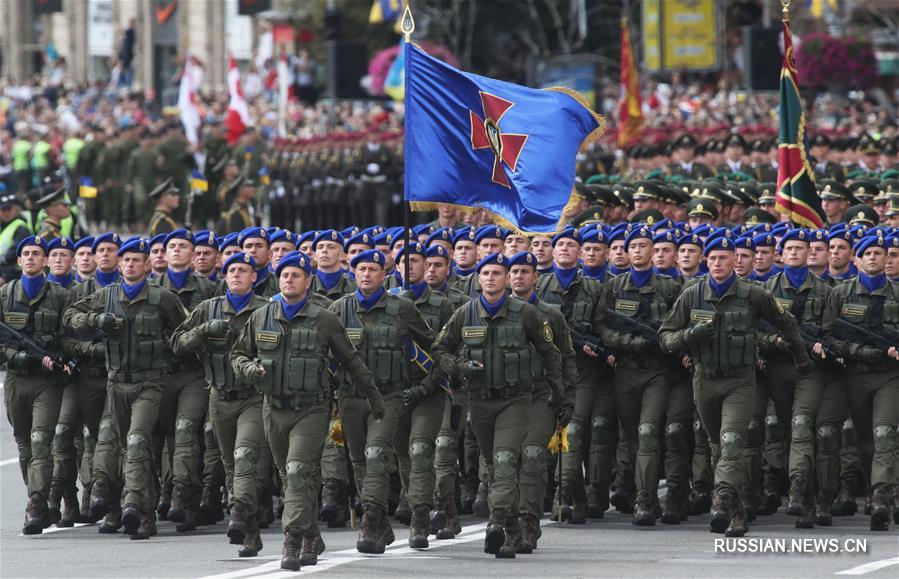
pixel 882 340
pixel 22 342
pixel 622 323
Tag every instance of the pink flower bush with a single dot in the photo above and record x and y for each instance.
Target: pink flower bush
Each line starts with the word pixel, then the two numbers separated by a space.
pixel 379 65
pixel 823 60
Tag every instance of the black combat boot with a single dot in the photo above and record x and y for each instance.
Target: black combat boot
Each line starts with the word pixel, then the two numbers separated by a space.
pixel 265 509
pixel 99 502
pixel 771 500
pixel 643 515
pixel 480 508
pixel 331 493
pixel 896 503
pixel 290 552
pixel 419 527
pixel 623 496
pixel 313 547
pixel 496 534
pixel 597 500
pixel 252 541
pixel 452 527
pixel 54 504
pixel 823 516
pixel 85 506
pixel 844 505
pixel 369 540
pixel 146 528
pixel 578 505
pixel 438 515
pixel 752 502
pixel 700 498
pixel 881 507
pixel 210 511
pixel 512 541
pixel 721 510
pixel 37 516
pixel 112 521
pixel 468 494
pixel 738 526
pixel 403 512
pixel 806 520
pixel 165 500
pixel 672 513
pixel 387 536
pixel 237 524
pixel 796 501
pixel 70 513
pixel 530 528
pixel 180 501
pixel 130 518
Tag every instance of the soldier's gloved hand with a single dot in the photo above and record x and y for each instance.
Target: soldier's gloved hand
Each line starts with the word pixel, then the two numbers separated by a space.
pixel 214 328
pixel 804 368
pixel 470 368
pixel 377 409
pixel 21 361
pixel 108 323
pixel 701 331
pixel 869 354
pixel 255 372
pixel 97 351
pixel 414 395
pixel 564 414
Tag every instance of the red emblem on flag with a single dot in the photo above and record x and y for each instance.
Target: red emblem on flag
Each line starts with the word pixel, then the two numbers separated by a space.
pixel 486 133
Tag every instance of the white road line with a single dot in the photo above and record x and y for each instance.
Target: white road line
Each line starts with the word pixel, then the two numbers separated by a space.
pixel 870 567
pixel 50 530
pixel 9 461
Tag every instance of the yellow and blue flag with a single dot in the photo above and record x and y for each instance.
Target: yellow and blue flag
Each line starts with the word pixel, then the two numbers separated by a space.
pixel 386 11
pixel 86 188
pixel 480 143
pixel 395 81
pixel 198 181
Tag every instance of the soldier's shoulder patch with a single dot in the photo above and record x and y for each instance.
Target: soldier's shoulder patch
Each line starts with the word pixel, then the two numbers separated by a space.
pixel 780 307
pixel 547 332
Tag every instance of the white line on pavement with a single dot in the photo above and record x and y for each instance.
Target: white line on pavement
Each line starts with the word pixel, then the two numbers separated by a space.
pixel 50 530
pixel 870 567
pixel 9 461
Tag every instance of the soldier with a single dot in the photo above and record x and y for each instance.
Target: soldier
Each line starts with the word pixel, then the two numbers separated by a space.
pixel 255 241
pixel 595 254
pixel 542 416
pixel 542 248
pixel 330 280
pixel 241 215
pixel 379 324
pixel 282 243
pixel 835 200
pixel 34 308
pixel 302 335
pixel 714 320
pixel 689 255
pixel 734 152
pixel 235 407
pixel 206 255
pixel 488 239
pixel 158 263
pixel 763 267
pixel 871 302
pixel 465 254
pixel 492 342
pixel 136 319
pixel 686 166
pixel 56 204
pixel 824 167
pixel 60 257
pixel 167 200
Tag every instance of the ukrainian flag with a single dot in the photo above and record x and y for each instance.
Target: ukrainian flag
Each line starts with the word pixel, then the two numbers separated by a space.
pixel 395 82
pixel 198 181
pixel 385 11
pixel 86 188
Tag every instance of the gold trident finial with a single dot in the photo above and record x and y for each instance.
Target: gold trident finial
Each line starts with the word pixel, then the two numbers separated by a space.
pixel 408 24
pixel 786 8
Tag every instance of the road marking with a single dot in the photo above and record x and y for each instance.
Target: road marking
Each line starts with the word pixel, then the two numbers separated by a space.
pixel 870 567
pixel 51 530
pixel 9 461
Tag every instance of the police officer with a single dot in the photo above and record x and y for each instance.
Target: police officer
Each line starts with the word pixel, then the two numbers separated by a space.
pixel 714 320
pixel 235 407
pixel 13 229
pixel 284 350
pixel 136 319
pixel 34 308
pixel 167 200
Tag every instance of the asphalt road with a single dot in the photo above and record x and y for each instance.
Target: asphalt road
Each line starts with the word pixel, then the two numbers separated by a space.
pixel 608 548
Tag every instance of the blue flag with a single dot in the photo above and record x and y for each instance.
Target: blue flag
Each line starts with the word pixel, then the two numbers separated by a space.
pixel 480 143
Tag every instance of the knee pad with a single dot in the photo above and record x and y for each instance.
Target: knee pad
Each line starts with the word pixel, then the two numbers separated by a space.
pixel 445 449
pixel 137 448
pixel 185 431
pixel 299 474
pixel 505 464
pixel 244 460
pixel 106 432
pixel 533 459
pixel 828 442
pixel 884 438
pixel 63 436
pixel 601 429
pixel 421 455
pixel 850 436
pixel 676 436
pixel 647 437
pixel 574 436
pixel 731 445
pixel 772 427
pixel 40 444
pixel 802 428
pixel 375 460
pixel 755 435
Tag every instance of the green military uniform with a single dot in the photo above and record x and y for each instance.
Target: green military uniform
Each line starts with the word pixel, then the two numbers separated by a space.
pixel 236 218
pixel 515 347
pixel 49 230
pixel 343 287
pixel 32 396
pixel 723 351
pixel 161 222
pixel 137 360
pixel 294 355
pixel 144 176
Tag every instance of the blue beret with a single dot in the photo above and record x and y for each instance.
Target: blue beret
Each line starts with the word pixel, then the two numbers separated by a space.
pixel 327 235
pixel 465 234
pixel 780 228
pixel 892 240
pixel 818 235
pixel 414 248
pixel 399 234
pixel 663 224
pixel 156 239
pixel 252 232
pixel 382 238
pixel 857 231
pixel 493 259
pixel 523 258
pixel 178 234
pixel 369 256
pixel 136 245
pixel 423 228
pixel 437 251
pixel 489 232
pixel 296 259
pixel 271 230
pixel 206 238
pixel 745 242
pixel 567 233
pixel 638 233
pixel 617 235
pixel 84 241
pixel 623 227
pixel 228 240
pixel 719 244
pixel 691 239
pixel 283 235
pixel 764 240
pixel 60 243
pixel 797 234
pixel 866 242
pixel 703 230
pixel 361 238
pixel 110 237
pixel 350 231
pixel 442 234
pixel 29 241
pixel 595 235
pixel 665 237
pixel 306 237
pixel 240 257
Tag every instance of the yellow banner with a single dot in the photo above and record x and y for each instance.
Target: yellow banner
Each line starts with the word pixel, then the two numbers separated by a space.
pixel 690 34
pixel 652 35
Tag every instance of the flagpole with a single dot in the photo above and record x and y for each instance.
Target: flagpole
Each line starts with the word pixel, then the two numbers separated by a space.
pixel 407 27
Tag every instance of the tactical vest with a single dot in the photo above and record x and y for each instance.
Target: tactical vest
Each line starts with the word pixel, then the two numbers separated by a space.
pixel 871 312
pixel 293 355
pixel 217 357
pixel 6 236
pixel 732 343
pixel 39 321
pixel 500 344
pixel 651 307
pixel 578 307
pixel 381 346
pixel 807 307
pixel 190 299
pixel 139 349
pixel 79 291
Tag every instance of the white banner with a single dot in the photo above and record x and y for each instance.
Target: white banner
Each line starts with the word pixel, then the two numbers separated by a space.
pixel 100 28
pixel 238 32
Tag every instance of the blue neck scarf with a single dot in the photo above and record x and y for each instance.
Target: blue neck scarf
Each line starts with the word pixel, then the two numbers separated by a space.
pixel 597 273
pixel 78 278
pixel 291 310
pixel 492 310
pixel 670 271
pixel 542 270
pixel 755 276
pixel 261 276
pixel 329 279
pixel 238 302
pixel 418 289
pixel 132 290
pixel 463 272
pixel 533 299
pixel 565 276
pixel 32 285
pixel 178 278
pixel 104 279
pixel 214 276
pixel 721 288
pixel 63 280
pixel 872 283
pixel 640 278
pixel 350 275
pixel 796 275
pixel 443 288
pixel 615 270
pixel 368 302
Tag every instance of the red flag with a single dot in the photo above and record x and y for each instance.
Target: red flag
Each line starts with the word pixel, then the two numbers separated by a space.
pixel 238 117
pixel 630 110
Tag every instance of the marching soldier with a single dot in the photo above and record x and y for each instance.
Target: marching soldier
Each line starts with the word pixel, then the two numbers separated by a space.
pixel 330 280
pixel 167 200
